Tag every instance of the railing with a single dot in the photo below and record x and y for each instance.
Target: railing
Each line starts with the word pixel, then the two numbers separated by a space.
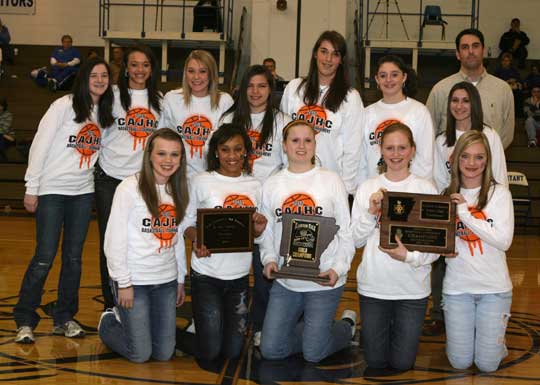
pixel 366 9
pixel 124 15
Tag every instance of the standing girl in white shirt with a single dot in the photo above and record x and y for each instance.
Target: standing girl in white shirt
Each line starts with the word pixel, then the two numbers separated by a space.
pixel 326 100
pixel 145 257
pixel 464 113
pixel 60 190
pixel 195 109
pixel 477 290
pixel 307 189
pixel 137 105
pixel 393 284
pixel 397 82
pixel 254 111
pixel 220 281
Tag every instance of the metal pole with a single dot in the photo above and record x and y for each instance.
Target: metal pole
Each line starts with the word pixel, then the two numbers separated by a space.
pixel 184 19
pixel 143 34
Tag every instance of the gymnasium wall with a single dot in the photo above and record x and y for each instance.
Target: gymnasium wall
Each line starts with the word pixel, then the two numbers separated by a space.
pixel 272 32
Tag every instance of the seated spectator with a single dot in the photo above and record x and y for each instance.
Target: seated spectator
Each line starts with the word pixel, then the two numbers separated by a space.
pixel 270 65
pixel 7 134
pixel 531 109
pixel 533 79
pixel 92 54
pixel 7 50
pixel 514 42
pixel 116 63
pixel 511 75
pixel 65 61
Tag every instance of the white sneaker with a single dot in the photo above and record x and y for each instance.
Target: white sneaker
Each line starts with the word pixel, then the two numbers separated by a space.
pixel 25 335
pixel 257 339
pixel 70 329
pixel 114 311
pixel 350 315
pixel 191 327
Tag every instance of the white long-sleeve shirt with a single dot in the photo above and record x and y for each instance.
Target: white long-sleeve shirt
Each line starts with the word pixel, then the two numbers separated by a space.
pixel 442 166
pixel 141 249
pixel 315 192
pixel 268 158
pixel 195 124
pixel 63 152
pixel 213 190
pixel 379 275
pixel 123 143
pixel 482 237
pixel 378 116
pixel 339 134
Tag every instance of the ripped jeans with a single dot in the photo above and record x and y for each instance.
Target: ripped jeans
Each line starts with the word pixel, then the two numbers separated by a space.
pixel 220 311
pixel 54 213
pixel 475 329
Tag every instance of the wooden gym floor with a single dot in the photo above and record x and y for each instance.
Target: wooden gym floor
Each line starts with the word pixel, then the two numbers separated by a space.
pixel 59 360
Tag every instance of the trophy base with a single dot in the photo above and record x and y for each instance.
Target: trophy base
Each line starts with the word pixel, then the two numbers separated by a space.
pixel 301 274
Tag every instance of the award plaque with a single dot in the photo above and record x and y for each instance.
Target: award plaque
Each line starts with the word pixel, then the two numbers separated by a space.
pixel 303 239
pixel 423 222
pixel 225 230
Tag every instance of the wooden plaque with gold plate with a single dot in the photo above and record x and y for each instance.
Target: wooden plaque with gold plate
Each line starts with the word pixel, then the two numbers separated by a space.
pixel 423 222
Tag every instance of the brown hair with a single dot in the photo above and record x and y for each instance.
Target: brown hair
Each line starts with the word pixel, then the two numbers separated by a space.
pixel 337 92
pixel 177 183
pixel 467 139
pixel 477 115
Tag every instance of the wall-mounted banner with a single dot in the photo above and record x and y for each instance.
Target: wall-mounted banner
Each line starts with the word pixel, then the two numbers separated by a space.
pixel 21 7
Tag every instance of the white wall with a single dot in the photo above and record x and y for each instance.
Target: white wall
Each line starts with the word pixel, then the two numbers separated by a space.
pixel 273 32
pixel 52 19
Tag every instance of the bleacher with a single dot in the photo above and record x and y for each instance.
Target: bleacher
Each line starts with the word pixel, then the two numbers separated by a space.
pixel 28 103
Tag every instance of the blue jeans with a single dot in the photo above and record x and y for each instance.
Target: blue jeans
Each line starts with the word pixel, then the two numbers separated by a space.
pixel 317 336
pixel 148 329
pixel 475 329
pixel 531 126
pixel 105 187
pixel 261 291
pixel 391 331
pixel 53 212
pixel 220 312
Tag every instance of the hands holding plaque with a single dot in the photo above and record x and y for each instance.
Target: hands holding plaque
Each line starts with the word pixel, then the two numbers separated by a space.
pixel 228 230
pixel 304 238
pixel 422 222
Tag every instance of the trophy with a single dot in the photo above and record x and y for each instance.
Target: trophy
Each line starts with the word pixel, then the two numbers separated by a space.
pixel 304 238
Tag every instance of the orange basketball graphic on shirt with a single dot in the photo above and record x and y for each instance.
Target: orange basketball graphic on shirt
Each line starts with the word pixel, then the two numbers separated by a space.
pixel 299 203
pixel 381 127
pixel 257 152
pixel 195 132
pixel 237 201
pixel 88 141
pixel 467 235
pixel 140 123
pixel 314 115
pixel 165 227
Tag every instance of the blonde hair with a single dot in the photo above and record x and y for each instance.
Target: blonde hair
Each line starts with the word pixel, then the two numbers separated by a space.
pixel 395 127
pixel 208 61
pixel 467 139
pixel 295 123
